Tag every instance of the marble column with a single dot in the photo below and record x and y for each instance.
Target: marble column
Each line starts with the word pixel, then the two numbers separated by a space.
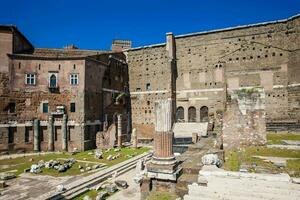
pixel 119 130
pixel 36 132
pixel 163 165
pixel 134 138
pixel 64 133
pixel 51 133
pixel 163 137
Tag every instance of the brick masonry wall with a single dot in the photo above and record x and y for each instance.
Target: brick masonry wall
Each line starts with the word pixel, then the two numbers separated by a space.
pixel 209 65
pixel 244 119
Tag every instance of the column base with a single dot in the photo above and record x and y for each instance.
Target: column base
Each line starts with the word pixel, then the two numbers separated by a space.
pixel 163 169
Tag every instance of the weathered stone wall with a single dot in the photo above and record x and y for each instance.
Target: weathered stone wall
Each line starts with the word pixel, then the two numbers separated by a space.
pixel 147 66
pixel 6 39
pixel 244 119
pixel 213 63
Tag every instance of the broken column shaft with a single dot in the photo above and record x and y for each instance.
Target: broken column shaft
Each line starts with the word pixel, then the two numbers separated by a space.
pixel 163 165
pixel 134 138
pixel 64 133
pixel 119 130
pixel 163 137
pixel 36 138
pixel 51 134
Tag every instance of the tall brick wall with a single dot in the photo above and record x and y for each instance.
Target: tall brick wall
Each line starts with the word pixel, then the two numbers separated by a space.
pixel 212 63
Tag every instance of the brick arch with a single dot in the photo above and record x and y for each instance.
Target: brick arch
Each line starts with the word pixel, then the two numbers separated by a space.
pixel 180 114
pixel 204 114
pixel 192 114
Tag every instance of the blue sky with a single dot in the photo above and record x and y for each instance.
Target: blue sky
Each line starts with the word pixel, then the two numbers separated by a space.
pixel 93 24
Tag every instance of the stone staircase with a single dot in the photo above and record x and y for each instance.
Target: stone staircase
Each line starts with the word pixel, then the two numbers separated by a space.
pixel 185 129
pixel 283 126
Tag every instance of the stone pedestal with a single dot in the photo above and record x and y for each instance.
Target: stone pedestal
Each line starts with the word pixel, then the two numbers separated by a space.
pixel 119 130
pixel 64 133
pixel 36 132
pixel 145 187
pixel 51 134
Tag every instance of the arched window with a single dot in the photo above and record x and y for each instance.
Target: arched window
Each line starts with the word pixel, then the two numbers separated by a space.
pixel 204 114
pixel 180 114
pixel 192 114
pixel 53 81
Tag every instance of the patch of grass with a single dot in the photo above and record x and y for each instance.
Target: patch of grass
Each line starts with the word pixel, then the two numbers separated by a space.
pixel 276 138
pixel 233 163
pixel 235 158
pixel 264 151
pixel 161 196
pixel 21 163
pixel 91 193
pixel 293 167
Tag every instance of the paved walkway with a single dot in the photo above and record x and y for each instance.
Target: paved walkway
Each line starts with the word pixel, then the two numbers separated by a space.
pixel 31 186
pixel 130 193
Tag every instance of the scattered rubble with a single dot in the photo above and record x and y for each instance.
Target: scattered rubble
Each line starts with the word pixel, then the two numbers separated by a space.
pixel 35 169
pixel 111 188
pixel 102 195
pixel 2 184
pixel 121 183
pixel 7 176
pixel 87 197
pixel 96 166
pixel 110 157
pixel 211 159
pixel 98 154
pixel 52 164
pixel 60 188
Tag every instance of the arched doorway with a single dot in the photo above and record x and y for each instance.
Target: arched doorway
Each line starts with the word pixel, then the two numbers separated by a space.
pixel 192 114
pixel 204 114
pixel 180 114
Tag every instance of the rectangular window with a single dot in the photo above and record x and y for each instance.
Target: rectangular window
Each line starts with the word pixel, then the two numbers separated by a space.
pixel 71 132
pixel 11 134
pixel 138 89
pixel 148 87
pixel 1 137
pixel 30 79
pixel 12 107
pixel 45 107
pixel 72 107
pixel 74 79
pixel 41 134
pixel 87 132
pixel 27 133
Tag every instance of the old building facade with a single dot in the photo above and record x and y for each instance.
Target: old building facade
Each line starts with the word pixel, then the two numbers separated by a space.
pixel 211 66
pixel 56 99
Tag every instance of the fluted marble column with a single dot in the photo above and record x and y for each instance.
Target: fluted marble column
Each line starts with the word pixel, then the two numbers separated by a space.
pixel 163 137
pixel 134 138
pixel 51 134
pixel 64 133
pixel 36 131
pixel 119 130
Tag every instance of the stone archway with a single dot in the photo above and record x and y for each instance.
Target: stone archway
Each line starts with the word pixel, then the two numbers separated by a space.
pixel 180 114
pixel 204 114
pixel 192 114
